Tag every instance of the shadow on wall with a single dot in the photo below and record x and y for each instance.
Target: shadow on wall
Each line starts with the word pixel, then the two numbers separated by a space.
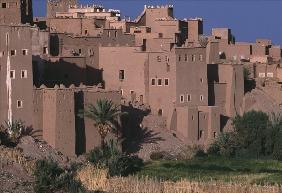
pixel 80 136
pixel 64 72
pixel 132 132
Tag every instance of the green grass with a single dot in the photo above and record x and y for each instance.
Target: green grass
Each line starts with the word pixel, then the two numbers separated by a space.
pixel 219 169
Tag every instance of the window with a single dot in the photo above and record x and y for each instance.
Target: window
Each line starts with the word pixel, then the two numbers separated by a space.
pixel 153 81
pixel 86 32
pixel 109 34
pixel 2 54
pixel 160 82
pixel 201 98
pixel 161 35
pixel 188 97
pixel 121 92
pixel 166 82
pixel 201 57
pixel 13 52
pixel 115 33
pixel 4 5
pixel 186 57
pixel 19 104
pixel 160 112
pixel 192 118
pixel 193 58
pixel 79 51
pixel 202 80
pixel 12 74
pixel 261 75
pixel 181 98
pixel 166 58
pixel 214 134
pixel 270 74
pixel 179 58
pixel 159 59
pixel 25 51
pixel 200 134
pixel 45 50
pixel 24 74
pixel 121 75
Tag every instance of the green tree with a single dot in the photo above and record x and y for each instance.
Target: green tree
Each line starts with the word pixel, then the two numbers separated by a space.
pixel 13 131
pixel 105 116
pixel 251 130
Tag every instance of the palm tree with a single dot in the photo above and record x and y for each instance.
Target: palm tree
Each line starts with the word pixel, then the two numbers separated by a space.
pixel 105 116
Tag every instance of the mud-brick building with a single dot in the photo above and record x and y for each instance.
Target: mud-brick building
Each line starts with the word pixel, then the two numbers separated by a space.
pixel 16 12
pixel 16 73
pixel 56 115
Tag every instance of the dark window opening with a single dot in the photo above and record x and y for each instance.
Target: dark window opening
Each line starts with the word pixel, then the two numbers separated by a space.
pixel 13 52
pixel 153 82
pixel 86 32
pixel 159 82
pixel 45 50
pixel 166 82
pixel 4 5
pixel 24 52
pixel 160 112
pixel 121 74
pixel 200 134
pixel 115 33
pixel 161 35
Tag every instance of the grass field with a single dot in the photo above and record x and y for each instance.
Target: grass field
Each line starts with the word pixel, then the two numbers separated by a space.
pixel 217 169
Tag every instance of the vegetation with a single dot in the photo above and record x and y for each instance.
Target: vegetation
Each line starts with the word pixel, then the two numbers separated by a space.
pixel 256 135
pixel 117 163
pixel 50 178
pixel 95 179
pixel 105 116
pixel 216 169
pixel 11 132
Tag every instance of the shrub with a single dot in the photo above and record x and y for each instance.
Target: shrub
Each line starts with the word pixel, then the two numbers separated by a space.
pixel 200 153
pixel 49 178
pixel 159 155
pixel 125 165
pixel 11 132
pixel 102 156
pixel 188 152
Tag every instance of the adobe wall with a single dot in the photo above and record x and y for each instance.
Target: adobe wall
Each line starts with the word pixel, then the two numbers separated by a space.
pixel 195 28
pixel 16 11
pixel 191 77
pixel 16 80
pixel 91 97
pixel 77 26
pixel 162 96
pixel 133 62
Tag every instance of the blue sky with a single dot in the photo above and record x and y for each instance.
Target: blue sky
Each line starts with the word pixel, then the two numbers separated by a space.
pixel 248 19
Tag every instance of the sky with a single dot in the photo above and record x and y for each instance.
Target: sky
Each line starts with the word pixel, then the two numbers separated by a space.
pixel 248 19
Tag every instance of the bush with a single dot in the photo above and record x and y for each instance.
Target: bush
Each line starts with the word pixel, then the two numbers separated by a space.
pixel 200 153
pixel 112 158
pixel 159 155
pixel 50 178
pixel 125 165
pixel 102 156
pixel 189 152
pixel 11 132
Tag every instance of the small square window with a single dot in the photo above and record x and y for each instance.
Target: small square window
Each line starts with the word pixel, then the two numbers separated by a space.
pixel 159 59
pixel 153 81
pixel 4 5
pixel 25 52
pixel 166 82
pixel 188 97
pixel 13 52
pixel 121 75
pixel 19 104
pixel 160 82
pixel 201 97
pixel 181 98
pixel 201 57
pixel 12 74
pixel 24 74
